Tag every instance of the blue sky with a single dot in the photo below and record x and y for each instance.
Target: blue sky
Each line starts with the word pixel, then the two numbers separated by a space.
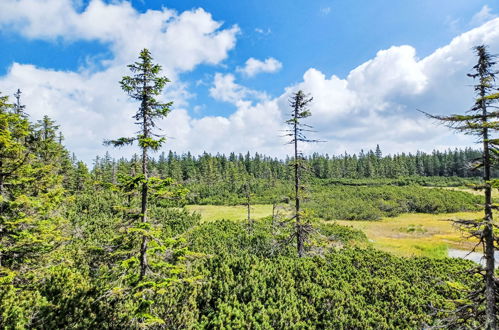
pixel 369 64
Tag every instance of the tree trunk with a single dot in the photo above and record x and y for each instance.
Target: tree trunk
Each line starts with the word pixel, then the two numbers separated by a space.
pixel 143 244
pixel 248 207
pixel 488 232
pixel 299 229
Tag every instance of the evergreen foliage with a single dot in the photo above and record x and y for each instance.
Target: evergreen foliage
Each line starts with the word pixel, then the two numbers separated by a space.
pixel 215 168
pixel 144 86
pixel 31 196
pixel 482 121
pixel 113 246
pixel 339 202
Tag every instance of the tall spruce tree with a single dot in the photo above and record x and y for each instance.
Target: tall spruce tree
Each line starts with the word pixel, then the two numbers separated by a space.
pixel 299 105
pixel 31 225
pixel 145 85
pixel 482 121
pixel 30 190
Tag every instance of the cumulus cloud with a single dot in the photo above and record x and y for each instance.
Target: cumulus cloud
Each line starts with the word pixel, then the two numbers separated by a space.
pixel 377 101
pixel 226 89
pixel 252 127
pixel 392 73
pixel 87 101
pixel 179 41
pixel 253 66
pixel 374 104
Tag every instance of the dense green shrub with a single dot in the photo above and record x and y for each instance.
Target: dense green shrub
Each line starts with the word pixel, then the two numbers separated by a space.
pixel 242 277
pixel 351 199
pixel 333 202
pixel 344 290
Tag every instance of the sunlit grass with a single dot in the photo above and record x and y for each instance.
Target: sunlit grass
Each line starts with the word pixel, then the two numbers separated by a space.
pixel 235 213
pixel 416 234
pixel 495 192
pixel 410 234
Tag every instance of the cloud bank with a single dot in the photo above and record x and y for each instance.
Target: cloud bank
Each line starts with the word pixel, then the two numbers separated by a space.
pixel 376 103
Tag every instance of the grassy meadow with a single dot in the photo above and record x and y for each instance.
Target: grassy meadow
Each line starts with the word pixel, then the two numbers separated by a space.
pixel 416 234
pixel 409 234
pixel 234 213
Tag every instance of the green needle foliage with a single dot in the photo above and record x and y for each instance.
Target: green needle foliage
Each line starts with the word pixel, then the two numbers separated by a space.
pixel 113 247
pixel 482 121
pixel 143 242
pixel 30 188
pixel 31 223
pixel 144 86
pixel 84 273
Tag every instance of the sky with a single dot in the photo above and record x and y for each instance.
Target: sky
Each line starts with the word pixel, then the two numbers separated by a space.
pixel 369 65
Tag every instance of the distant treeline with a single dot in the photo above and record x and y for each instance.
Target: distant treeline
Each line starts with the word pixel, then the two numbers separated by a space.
pixel 234 167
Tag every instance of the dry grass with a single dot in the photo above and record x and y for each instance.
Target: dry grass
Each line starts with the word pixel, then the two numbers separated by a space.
pixel 411 234
pixel 495 192
pixel 416 234
pixel 235 213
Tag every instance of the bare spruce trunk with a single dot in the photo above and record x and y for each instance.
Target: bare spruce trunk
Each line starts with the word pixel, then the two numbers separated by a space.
pixel 248 205
pixel 143 244
pixel 299 229
pixel 488 233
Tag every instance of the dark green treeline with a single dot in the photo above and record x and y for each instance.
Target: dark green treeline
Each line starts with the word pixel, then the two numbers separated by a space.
pixel 371 164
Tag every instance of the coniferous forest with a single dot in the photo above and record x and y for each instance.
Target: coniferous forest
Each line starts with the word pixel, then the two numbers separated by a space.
pixel 116 243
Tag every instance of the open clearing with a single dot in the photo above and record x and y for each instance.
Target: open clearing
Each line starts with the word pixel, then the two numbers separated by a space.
pixel 235 213
pixel 495 192
pixel 411 234
pixel 416 234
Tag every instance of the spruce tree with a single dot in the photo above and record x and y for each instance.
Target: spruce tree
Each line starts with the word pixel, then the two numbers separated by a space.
pixel 145 85
pixel 31 226
pixel 30 190
pixel 299 104
pixel 482 121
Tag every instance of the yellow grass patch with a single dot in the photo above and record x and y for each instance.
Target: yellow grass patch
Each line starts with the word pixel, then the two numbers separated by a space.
pixel 410 234
pixel 235 213
pixel 495 192
pixel 416 234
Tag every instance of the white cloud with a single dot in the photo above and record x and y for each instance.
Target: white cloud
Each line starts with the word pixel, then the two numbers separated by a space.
pixel 179 41
pixel 251 127
pixel 226 89
pixel 89 104
pixel 375 103
pixel 253 66
pixel 485 14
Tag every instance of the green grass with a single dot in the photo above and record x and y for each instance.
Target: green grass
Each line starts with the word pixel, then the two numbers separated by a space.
pixel 495 192
pixel 416 234
pixel 235 213
pixel 410 234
